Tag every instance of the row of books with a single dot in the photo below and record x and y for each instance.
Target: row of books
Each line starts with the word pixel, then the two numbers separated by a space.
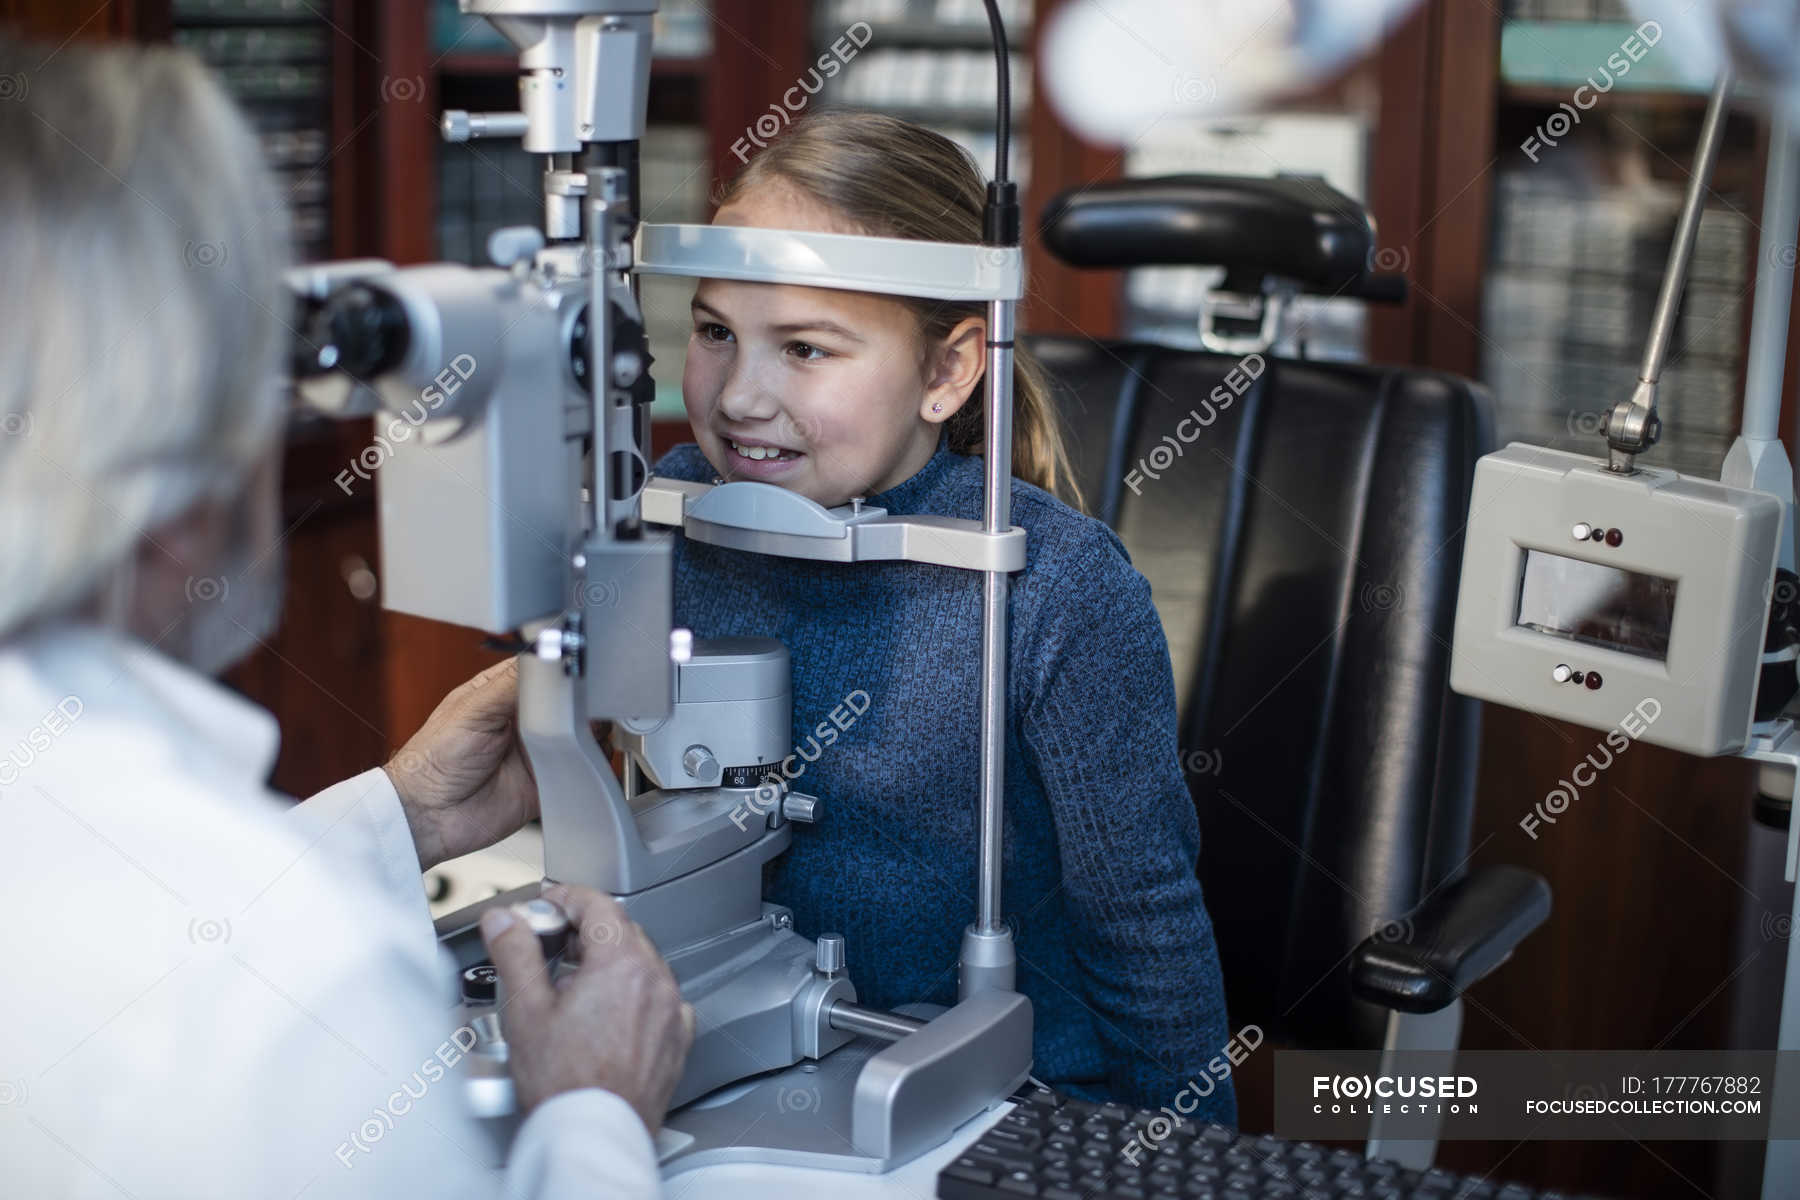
pixel 952 19
pixel 274 57
pixel 1571 286
pixel 1567 10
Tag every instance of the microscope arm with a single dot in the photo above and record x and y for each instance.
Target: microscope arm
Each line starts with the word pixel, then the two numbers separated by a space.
pixel 593 835
pixel 596 840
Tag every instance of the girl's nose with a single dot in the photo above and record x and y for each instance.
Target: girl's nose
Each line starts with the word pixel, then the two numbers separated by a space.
pixel 746 398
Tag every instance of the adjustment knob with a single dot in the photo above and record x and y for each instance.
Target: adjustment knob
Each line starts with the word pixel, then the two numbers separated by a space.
pixel 699 762
pixel 627 366
pixel 480 983
pixel 798 806
pixel 549 922
pixel 514 244
pixel 828 958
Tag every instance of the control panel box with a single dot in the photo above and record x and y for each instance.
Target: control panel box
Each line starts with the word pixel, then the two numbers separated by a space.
pixel 1587 595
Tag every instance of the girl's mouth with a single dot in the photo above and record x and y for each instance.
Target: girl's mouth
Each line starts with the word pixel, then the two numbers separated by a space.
pixel 761 461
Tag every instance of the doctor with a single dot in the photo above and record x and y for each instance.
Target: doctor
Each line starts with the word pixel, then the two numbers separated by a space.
pixel 208 991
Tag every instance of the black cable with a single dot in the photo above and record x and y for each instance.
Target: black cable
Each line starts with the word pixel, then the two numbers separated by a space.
pixel 1000 218
pixel 1003 65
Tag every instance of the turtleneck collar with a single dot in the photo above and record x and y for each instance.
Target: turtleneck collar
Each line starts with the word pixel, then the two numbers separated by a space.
pixel 913 494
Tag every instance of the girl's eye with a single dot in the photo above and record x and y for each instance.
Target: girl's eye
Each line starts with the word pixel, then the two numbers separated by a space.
pixel 714 332
pixel 808 352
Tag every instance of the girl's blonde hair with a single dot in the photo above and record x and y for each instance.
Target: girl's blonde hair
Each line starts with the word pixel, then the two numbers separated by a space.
pixel 892 178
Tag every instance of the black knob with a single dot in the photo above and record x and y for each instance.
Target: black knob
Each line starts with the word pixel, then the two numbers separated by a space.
pixel 480 983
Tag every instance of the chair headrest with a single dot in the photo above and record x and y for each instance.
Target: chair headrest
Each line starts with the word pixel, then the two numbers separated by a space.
pixel 1296 227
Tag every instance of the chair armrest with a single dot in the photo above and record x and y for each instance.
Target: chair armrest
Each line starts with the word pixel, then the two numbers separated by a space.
pixel 1460 933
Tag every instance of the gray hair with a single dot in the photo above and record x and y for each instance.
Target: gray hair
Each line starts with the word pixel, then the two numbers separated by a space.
pixel 141 324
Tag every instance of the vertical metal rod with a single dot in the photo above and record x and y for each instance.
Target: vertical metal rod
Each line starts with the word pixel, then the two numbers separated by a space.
pixel 1632 426
pixel 603 199
pixel 997 518
pixel 1781 1156
pixel 988 961
pixel 1662 325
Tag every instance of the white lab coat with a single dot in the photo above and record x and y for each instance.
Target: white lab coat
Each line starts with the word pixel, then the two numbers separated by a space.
pixel 208 992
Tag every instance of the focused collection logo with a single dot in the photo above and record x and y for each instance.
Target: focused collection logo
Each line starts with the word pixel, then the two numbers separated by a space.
pixel 1386 1094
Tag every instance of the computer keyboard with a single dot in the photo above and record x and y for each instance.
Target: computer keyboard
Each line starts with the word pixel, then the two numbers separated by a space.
pixel 1067 1149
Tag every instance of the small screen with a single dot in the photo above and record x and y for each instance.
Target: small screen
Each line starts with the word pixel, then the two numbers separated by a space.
pixel 1600 605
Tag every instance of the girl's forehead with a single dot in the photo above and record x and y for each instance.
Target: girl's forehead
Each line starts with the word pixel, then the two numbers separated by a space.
pixel 774 203
pixel 754 305
pixel 778 204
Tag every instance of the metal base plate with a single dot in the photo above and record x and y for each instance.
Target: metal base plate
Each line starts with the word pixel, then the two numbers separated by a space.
pixel 800 1116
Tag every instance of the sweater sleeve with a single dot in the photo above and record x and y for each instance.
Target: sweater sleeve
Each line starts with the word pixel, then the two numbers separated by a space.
pixel 1100 728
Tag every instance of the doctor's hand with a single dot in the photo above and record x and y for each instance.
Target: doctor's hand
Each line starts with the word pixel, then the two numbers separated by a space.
pixel 463 779
pixel 617 1022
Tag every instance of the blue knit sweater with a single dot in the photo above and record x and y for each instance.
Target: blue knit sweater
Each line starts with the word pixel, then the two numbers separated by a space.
pixel 1115 947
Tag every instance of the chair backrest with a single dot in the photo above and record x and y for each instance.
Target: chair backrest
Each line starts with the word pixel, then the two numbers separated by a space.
pixel 1303 541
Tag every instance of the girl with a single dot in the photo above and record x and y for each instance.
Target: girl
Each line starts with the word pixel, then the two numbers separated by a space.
pixel 836 394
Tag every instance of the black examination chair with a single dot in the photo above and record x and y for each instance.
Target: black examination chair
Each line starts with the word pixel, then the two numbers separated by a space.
pixel 1303 547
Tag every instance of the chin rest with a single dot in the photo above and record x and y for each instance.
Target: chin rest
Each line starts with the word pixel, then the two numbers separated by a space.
pixel 1296 229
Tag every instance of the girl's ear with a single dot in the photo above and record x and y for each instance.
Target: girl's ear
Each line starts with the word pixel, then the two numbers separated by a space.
pixel 956 367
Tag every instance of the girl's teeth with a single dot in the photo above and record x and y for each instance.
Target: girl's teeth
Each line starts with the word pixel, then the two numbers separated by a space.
pixel 757 452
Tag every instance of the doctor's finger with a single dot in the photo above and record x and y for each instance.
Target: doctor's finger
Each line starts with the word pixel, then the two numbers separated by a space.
pixel 519 959
pixel 490 699
pixel 600 925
